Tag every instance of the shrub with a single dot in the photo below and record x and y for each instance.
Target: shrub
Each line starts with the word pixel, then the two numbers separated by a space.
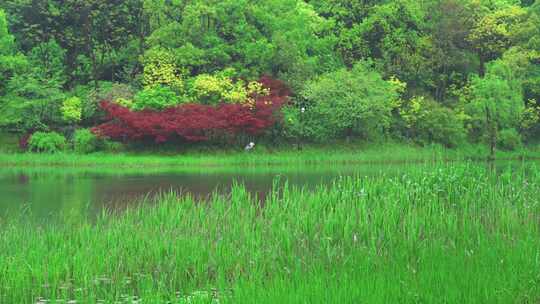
pixel 208 89
pixel 426 121
pixel 156 98
pixel 348 102
pixel 300 124
pixel 84 141
pixel 109 91
pixel 530 120
pixel 48 142
pixel 241 92
pixel 160 69
pixel 191 122
pixel 509 139
pixel 72 109
pixel 128 103
pixel 274 87
pixel 91 97
pixel 213 89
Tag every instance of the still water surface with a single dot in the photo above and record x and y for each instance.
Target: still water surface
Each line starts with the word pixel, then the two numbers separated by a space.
pixel 46 192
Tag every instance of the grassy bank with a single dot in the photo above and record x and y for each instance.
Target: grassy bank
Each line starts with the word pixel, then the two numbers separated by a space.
pixel 310 155
pixel 455 234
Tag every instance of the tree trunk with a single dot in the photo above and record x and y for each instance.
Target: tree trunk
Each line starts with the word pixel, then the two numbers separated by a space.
pixel 94 67
pixel 87 32
pixel 482 67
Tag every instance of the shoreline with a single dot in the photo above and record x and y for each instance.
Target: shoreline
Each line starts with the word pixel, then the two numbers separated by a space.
pixel 382 154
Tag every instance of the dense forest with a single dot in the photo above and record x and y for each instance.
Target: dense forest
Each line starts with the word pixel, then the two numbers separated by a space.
pixel 92 74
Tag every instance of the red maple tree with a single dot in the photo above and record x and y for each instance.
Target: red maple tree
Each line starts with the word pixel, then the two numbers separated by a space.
pixel 195 122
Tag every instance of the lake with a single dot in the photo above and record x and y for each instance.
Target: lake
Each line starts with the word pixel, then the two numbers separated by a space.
pixel 46 192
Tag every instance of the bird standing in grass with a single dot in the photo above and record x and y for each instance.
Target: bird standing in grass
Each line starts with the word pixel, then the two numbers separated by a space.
pixel 250 146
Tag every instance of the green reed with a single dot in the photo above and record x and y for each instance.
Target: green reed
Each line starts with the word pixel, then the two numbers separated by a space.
pixel 385 153
pixel 458 233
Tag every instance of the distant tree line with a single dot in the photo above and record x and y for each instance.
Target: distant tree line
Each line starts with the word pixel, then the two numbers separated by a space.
pixel 434 71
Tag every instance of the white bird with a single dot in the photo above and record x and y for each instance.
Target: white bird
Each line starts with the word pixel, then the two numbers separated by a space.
pixel 303 110
pixel 250 146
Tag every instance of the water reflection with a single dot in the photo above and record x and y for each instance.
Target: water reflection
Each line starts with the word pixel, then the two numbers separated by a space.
pixel 46 192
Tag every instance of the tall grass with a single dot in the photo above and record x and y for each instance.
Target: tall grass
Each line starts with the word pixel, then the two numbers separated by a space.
pixel 454 234
pixel 344 155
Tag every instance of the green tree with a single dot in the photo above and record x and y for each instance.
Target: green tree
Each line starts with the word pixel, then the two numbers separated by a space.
pixel 47 63
pixel 347 17
pixel 495 103
pixel 394 36
pixel 11 61
pixel 524 61
pixel 34 95
pixel 426 121
pixel 492 34
pixel 346 103
pixel 392 33
pixel 11 64
pixel 451 58
pixel 32 104
pixel 285 38
pixel 92 31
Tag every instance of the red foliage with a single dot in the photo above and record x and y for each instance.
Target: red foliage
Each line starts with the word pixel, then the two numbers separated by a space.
pixel 277 87
pixel 23 141
pixel 194 122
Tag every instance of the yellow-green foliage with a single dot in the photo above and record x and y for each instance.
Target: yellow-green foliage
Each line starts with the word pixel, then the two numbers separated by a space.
pixel 413 111
pixel 212 89
pixel 427 121
pixel 531 115
pixel 242 93
pixel 399 85
pixel 493 33
pixel 160 69
pixel 209 89
pixel 72 109
pixel 128 103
